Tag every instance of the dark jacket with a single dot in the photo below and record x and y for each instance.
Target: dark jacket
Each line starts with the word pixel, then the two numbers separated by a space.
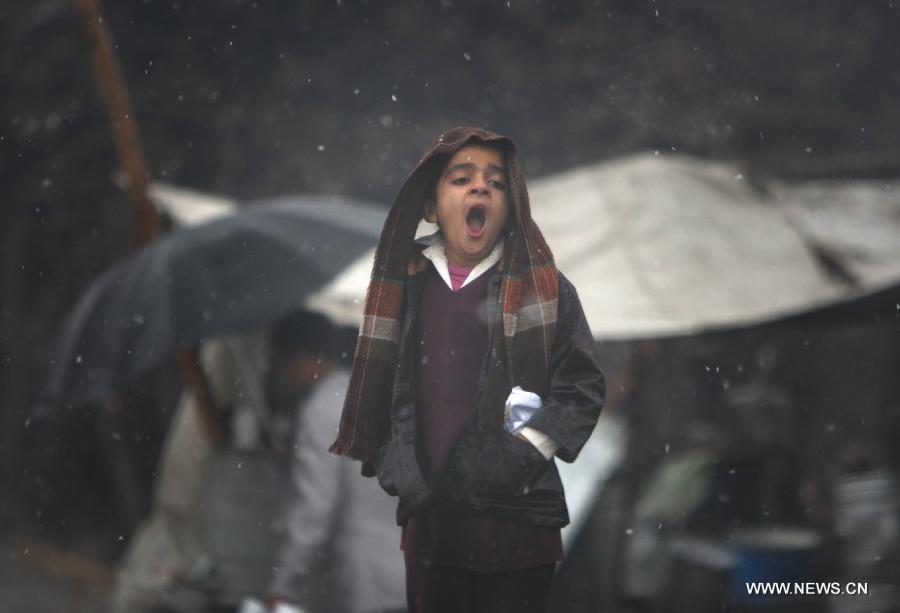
pixel 490 470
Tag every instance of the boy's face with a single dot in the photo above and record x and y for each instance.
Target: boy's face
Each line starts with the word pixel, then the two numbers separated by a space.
pixel 472 204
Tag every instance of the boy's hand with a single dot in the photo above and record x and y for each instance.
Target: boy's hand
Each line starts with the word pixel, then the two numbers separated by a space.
pixel 546 445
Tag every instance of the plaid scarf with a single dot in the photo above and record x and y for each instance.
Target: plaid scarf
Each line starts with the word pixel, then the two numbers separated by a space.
pixel 523 334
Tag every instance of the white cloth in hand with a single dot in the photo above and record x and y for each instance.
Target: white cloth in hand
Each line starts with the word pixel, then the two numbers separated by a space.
pixel 520 406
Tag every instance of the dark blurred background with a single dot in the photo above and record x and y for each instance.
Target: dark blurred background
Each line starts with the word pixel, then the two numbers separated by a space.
pixel 256 99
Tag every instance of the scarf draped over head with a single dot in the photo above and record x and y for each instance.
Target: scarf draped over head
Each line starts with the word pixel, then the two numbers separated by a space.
pixel 521 345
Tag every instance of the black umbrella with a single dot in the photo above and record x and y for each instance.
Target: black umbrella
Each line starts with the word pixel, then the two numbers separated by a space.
pixel 226 276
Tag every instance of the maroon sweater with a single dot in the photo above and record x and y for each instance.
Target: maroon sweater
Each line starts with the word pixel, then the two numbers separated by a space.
pixel 451 344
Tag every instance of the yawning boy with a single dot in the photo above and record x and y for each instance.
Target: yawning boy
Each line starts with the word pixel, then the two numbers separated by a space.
pixel 467 321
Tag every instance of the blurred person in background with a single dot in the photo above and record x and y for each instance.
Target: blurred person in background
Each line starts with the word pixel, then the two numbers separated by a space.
pixel 339 551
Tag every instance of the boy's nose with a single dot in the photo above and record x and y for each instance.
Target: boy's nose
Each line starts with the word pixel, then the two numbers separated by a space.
pixel 479 187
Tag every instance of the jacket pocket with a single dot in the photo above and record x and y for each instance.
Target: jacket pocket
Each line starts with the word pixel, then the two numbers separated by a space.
pixel 397 468
pixel 386 467
pixel 492 464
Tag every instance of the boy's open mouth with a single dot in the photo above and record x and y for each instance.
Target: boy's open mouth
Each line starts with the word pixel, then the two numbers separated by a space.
pixel 475 220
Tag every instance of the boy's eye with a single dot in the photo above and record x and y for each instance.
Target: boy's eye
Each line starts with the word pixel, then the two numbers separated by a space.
pixel 500 185
pixel 460 180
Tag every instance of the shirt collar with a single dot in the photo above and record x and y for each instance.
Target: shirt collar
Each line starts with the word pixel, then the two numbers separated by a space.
pixel 429 234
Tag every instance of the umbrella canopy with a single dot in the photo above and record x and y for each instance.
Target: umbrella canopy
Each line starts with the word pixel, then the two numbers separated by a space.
pixel 667 245
pixel 226 276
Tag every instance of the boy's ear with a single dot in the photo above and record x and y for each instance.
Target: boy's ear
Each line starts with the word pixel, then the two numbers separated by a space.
pixel 429 214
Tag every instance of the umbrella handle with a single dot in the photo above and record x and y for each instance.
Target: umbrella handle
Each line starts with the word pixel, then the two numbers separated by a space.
pixel 198 384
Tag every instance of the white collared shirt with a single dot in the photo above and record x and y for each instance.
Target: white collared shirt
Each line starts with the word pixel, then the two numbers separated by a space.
pixel 430 234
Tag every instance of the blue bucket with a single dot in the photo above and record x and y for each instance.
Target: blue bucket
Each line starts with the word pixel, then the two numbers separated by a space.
pixel 772 554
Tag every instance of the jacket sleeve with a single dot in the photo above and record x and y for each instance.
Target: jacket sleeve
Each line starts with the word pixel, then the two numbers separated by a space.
pixel 577 386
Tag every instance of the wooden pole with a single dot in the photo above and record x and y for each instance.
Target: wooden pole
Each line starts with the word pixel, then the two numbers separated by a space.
pixel 198 383
pixel 115 97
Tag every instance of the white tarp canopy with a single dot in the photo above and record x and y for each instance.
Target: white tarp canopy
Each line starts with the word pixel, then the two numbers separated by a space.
pixel 188 207
pixel 668 244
